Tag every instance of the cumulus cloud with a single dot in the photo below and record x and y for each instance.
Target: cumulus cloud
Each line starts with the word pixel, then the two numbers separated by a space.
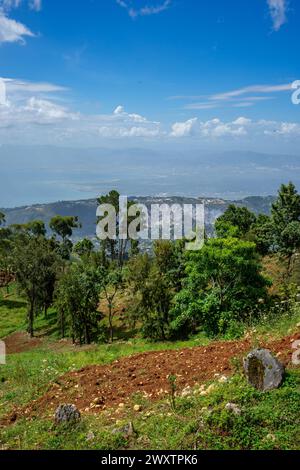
pixel 38 111
pixel 30 104
pixel 146 10
pixel 238 128
pixel 278 10
pixel 184 129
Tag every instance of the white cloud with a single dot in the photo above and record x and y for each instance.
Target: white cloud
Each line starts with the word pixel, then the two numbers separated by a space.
pixel 147 10
pixel 12 31
pixel 10 4
pixel 35 5
pixel 14 85
pixel 32 110
pixel 213 128
pixel 278 10
pixel 44 110
pixel 35 111
pixel 239 128
pixel 184 129
pixel 238 98
pixel 251 89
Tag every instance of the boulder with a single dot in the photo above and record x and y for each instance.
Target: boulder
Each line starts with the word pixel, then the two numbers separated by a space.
pixel 67 414
pixel 263 370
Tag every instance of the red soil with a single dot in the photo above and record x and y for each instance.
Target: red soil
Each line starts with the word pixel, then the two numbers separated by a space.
pixel 20 342
pixel 109 385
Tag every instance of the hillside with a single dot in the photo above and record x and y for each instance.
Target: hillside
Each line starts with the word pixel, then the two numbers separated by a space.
pixel 123 392
pixel 86 210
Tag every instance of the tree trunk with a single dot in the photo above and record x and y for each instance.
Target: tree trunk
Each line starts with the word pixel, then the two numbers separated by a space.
pixel 30 319
pixel 62 325
pixel 111 328
pixel 87 334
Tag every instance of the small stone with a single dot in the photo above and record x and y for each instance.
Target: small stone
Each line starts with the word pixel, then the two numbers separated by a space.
pixel 137 408
pixel 210 389
pixel 233 408
pixel 67 414
pixel 271 437
pixel 127 430
pixel 122 405
pixel 223 379
pixel 90 437
pixel 186 392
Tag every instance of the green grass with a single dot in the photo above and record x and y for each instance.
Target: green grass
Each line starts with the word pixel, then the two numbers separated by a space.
pixel 268 421
pixel 12 313
pixel 26 376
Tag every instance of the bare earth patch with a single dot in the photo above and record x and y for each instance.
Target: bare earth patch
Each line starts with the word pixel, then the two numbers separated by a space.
pixel 95 388
pixel 20 342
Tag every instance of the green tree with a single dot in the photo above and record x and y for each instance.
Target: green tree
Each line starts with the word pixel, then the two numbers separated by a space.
pixel 236 221
pixel 34 263
pixel 36 228
pixel 111 283
pixel 2 218
pixel 170 261
pixel 262 234
pixel 77 301
pixel 63 226
pixel 286 224
pixel 151 294
pixel 117 248
pixel 224 285
pixel 84 248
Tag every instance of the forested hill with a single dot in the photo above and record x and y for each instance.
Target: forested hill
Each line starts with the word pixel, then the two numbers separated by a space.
pixel 86 210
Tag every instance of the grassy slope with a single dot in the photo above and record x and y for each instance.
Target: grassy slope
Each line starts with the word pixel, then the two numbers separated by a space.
pixel 267 421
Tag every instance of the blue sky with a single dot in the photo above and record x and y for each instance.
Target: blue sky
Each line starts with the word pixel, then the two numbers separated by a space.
pixel 148 80
pixel 152 70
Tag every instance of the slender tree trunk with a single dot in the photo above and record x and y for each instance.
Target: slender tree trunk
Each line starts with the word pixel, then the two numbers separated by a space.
pixel 62 325
pixel 30 319
pixel 87 334
pixel 110 319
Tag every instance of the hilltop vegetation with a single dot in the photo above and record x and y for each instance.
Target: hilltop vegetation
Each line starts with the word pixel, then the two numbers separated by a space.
pixel 98 304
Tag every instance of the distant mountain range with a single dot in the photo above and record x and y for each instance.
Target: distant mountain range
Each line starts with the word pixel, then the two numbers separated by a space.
pixel 86 210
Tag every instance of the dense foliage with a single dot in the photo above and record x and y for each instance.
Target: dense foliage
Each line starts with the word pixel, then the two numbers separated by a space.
pixel 166 292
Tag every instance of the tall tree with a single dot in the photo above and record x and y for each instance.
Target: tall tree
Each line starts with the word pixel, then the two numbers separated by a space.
pixel 151 291
pixel 117 248
pixel 63 226
pixel 34 263
pixel 286 223
pixel 111 283
pixel 77 300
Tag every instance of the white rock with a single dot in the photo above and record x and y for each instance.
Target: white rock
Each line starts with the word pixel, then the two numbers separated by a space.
pixel 233 408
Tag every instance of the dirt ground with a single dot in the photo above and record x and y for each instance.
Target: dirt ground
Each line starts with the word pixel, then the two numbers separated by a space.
pixel 20 342
pixel 95 388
